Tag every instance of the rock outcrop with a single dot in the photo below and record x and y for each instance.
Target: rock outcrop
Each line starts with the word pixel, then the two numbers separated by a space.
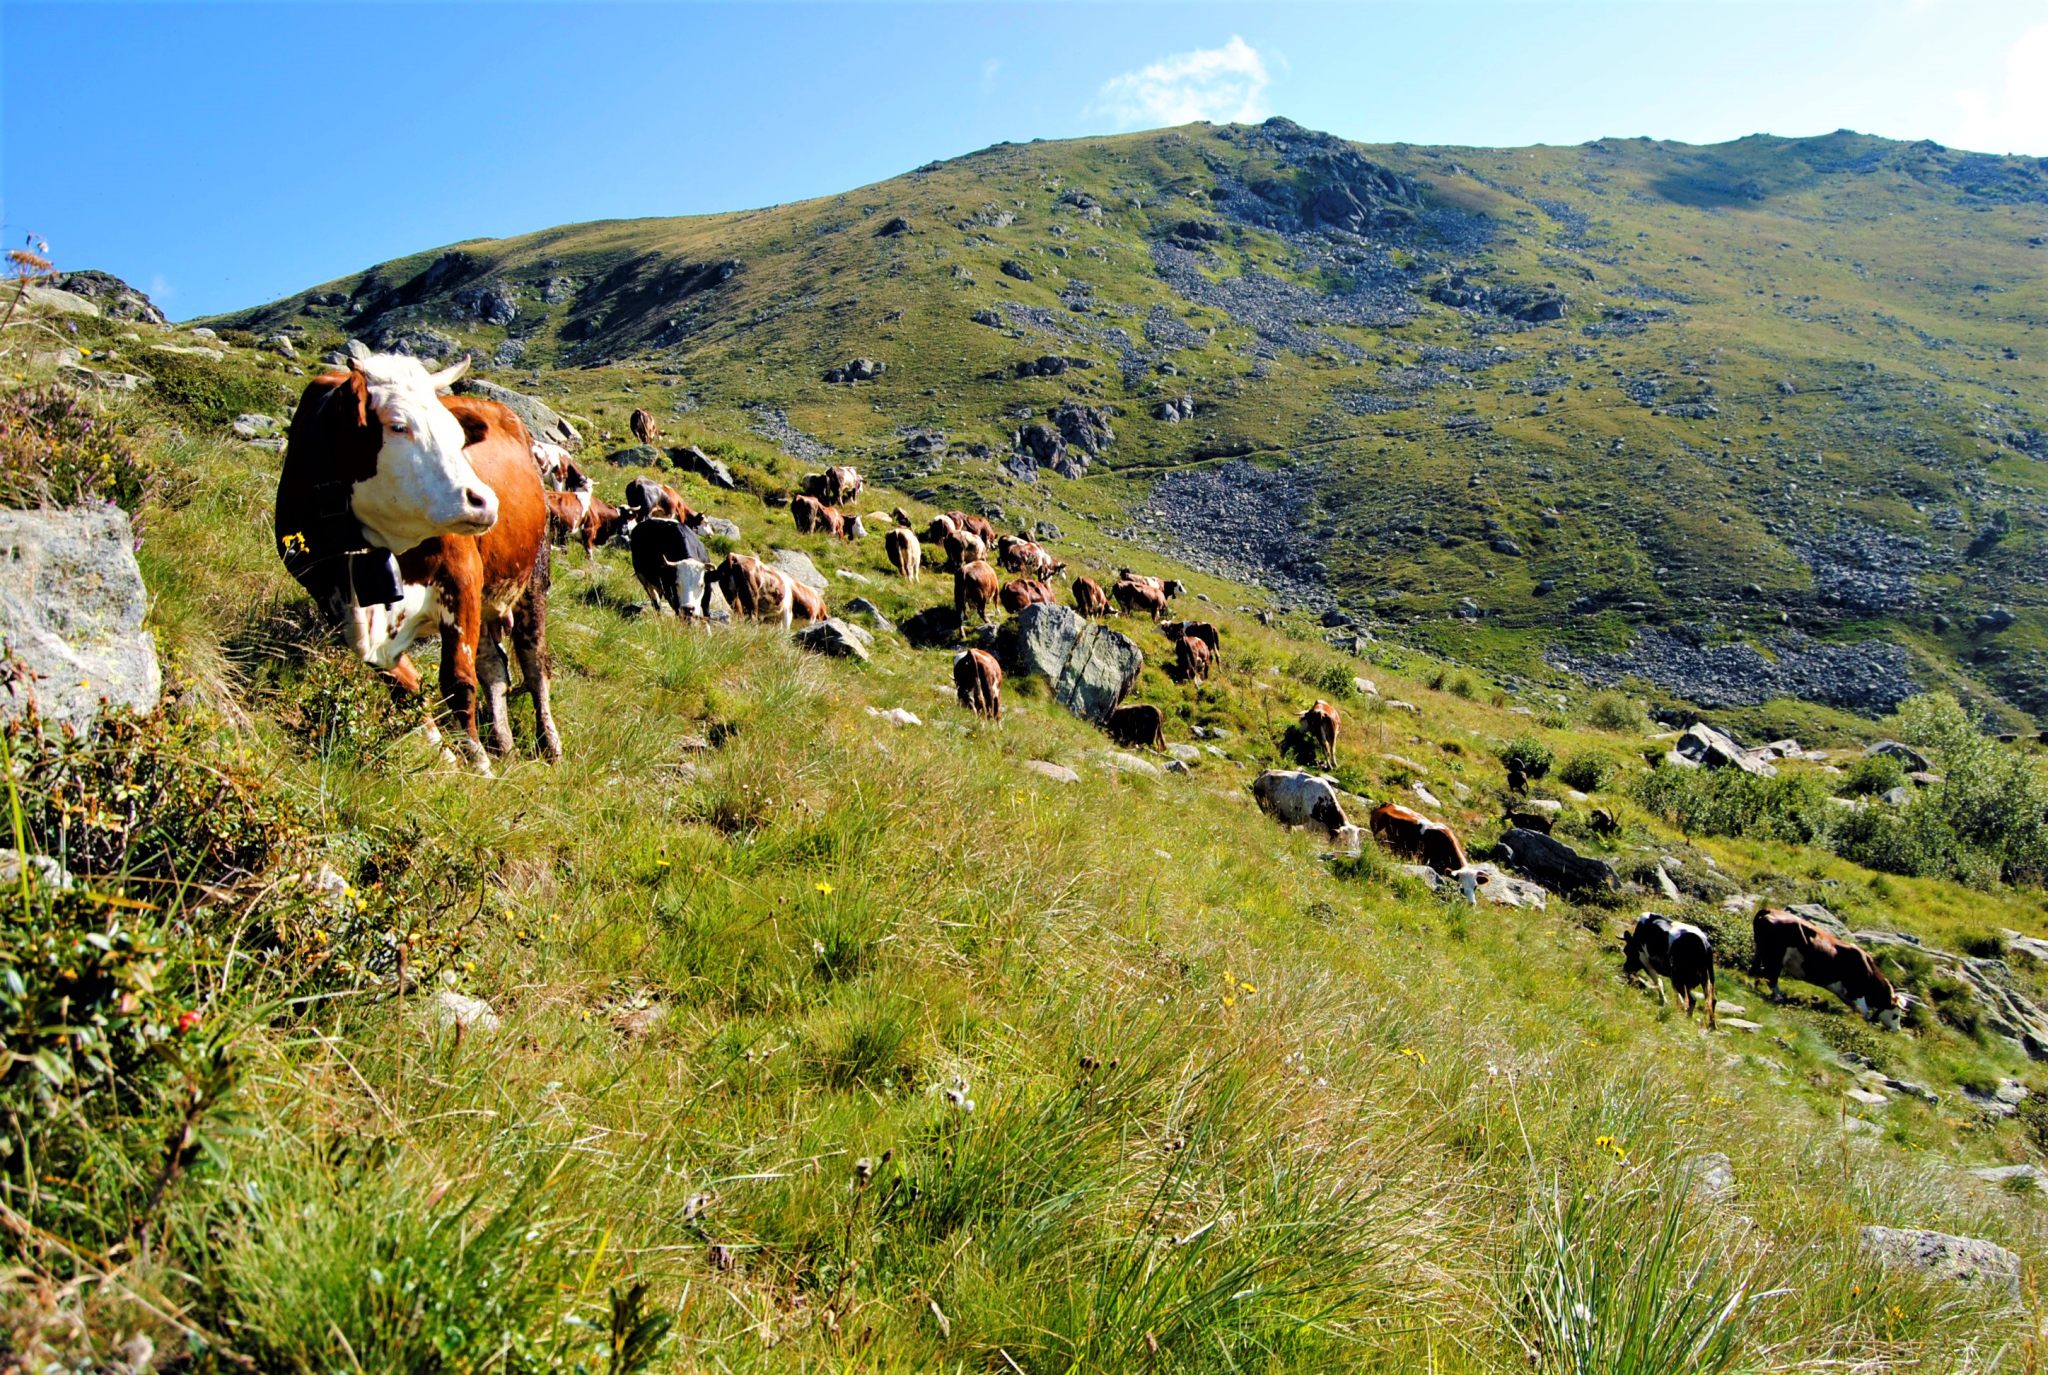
pixel 1554 864
pixel 540 419
pixel 71 609
pixel 1965 1260
pixel 1090 666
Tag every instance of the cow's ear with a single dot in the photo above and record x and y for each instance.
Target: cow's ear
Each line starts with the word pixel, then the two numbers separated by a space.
pixel 473 430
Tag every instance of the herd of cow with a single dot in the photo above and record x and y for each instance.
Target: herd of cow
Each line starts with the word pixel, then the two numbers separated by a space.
pixel 402 511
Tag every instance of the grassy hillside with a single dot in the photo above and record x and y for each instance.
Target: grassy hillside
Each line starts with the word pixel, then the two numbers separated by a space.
pixel 863 1045
pixel 1771 386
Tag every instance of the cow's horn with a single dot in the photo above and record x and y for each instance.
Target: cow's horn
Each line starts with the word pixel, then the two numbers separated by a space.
pixel 450 375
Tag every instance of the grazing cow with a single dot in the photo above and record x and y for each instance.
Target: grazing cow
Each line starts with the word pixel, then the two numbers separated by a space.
pixel 941 527
pixel 978 682
pixel 964 547
pixel 1007 548
pixel 1790 947
pixel 553 461
pixel 1192 658
pixel 836 486
pixel 1200 630
pixel 400 510
pixel 977 526
pixel 901 517
pixel 905 553
pixel 1414 836
pixel 1134 596
pixel 646 498
pixel 1294 798
pixel 1089 598
pixel 806 603
pixel 974 585
pixel 754 590
pixel 1320 723
pixel 1019 593
pixel 1674 950
pixel 1537 821
pixel 671 563
pixel 1173 587
pixel 644 427
pixel 589 520
pixel 1138 727
pixel 814 517
pixel 565 515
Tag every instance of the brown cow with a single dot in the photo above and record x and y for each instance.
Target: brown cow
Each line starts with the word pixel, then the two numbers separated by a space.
pixel 1022 556
pixel 646 498
pixel 978 682
pixel 974 525
pixel 836 486
pixel 1320 722
pixel 1191 657
pixel 964 547
pixel 1414 836
pixel 1137 727
pixel 904 552
pixel 1134 596
pixel 1793 948
pixel 814 517
pixel 940 528
pixel 754 590
pixel 1019 593
pixel 400 510
pixel 1200 630
pixel 1089 598
pixel 645 429
pixel 974 585
pixel 806 603
pixel 590 523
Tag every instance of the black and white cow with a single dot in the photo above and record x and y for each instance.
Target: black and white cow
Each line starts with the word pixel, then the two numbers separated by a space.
pixel 1666 948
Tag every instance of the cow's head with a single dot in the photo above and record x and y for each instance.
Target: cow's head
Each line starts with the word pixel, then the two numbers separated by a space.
pixel 1888 1008
pixel 1632 951
pixel 423 485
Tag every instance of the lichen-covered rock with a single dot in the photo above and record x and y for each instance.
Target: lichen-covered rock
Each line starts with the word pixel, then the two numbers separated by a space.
pixel 1965 1260
pixel 540 418
pixel 1090 666
pixel 71 608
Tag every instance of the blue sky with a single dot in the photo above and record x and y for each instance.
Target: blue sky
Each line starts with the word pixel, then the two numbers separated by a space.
pixel 223 155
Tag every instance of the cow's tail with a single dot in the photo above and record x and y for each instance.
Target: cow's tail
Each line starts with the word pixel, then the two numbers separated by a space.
pixel 1710 988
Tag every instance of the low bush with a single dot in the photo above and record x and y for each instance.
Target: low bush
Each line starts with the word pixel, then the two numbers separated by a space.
pixel 1587 770
pixel 1617 711
pixel 1872 776
pixel 1727 802
pixel 57 450
pixel 1529 754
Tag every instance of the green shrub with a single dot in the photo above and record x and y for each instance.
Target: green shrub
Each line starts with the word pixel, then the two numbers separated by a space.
pixel 1872 776
pixel 213 393
pixel 1617 711
pixel 1527 753
pixel 1587 770
pixel 1727 802
pixel 55 450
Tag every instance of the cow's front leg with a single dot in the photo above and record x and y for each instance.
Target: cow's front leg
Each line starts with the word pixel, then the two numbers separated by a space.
pixel 459 636
pixel 388 634
pixel 496 675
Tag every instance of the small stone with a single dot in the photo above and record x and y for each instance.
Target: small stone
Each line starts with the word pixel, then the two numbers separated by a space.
pixel 896 716
pixel 1058 773
pixel 452 1009
pixel 1129 763
pixel 1711 1177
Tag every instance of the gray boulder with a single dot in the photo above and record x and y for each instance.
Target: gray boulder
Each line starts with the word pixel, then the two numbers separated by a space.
pixel 692 459
pixel 1704 747
pixel 867 610
pixel 1914 761
pixel 720 526
pixel 117 300
pixel 1965 1260
pixel 71 608
pixel 1554 864
pixel 540 419
pixel 837 639
pixel 798 565
pixel 637 456
pixel 1090 666
pixel 1058 773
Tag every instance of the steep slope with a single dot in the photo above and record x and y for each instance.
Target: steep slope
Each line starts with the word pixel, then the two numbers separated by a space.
pixel 1760 394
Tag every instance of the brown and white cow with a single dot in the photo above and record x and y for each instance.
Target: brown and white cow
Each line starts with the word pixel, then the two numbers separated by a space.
pixel 1192 659
pixel 978 526
pixel 1320 724
pixel 1141 726
pixel 1019 593
pixel 754 590
pixel 1295 798
pixel 941 526
pixel 836 486
pixel 974 587
pixel 1790 947
pixel 647 498
pixel 589 520
pixel 964 547
pixel 978 683
pixel 1412 835
pixel 806 603
pixel 1204 631
pixel 1135 595
pixel 905 553
pixel 1089 598
pixel 402 511
pixel 645 428
pixel 814 517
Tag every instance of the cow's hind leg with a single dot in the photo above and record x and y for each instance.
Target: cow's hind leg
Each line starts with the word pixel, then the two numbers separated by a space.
pixel 496 675
pixel 530 643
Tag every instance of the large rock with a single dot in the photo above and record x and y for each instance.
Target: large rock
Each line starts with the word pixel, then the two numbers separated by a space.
pixel 798 565
pixel 116 299
pixel 541 420
pixel 1965 1260
pixel 1090 666
pixel 635 456
pixel 71 608
pixel 1554 864
pixel 1704 747
pixel 57 302
pixel 1913 760
pixel 692 459
pixel 837 638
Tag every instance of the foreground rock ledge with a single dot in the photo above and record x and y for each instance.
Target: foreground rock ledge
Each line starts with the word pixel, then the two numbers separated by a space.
pixel 71 608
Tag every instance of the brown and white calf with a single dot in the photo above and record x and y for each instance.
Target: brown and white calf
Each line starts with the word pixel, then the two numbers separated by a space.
pixel 1320 724
pixel 1412 835
pixel 1089 598
pixel 1789 947
pixel 403 511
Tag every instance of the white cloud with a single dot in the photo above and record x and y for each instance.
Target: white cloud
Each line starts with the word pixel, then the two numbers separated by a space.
pixel 1223 85
pixel 160 289
pixel 990 70
pixel 2014 120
